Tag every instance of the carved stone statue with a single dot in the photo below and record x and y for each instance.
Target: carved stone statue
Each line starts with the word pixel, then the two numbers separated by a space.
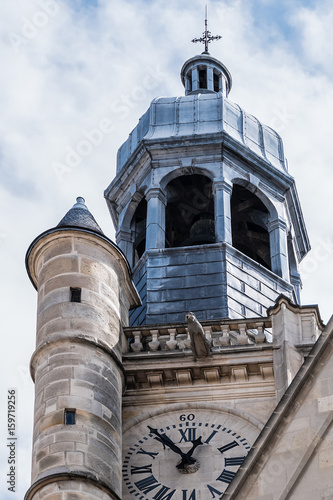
pixel 199 343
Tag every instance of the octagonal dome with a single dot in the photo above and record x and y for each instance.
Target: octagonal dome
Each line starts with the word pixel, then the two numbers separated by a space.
pixel 200 115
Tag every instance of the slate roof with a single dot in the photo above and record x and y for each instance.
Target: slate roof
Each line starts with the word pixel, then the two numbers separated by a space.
pixel 79 216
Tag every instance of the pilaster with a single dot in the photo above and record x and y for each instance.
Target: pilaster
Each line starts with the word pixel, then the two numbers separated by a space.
pixel 295 329
pixel 278 244
pixel 156 202
pixel 222 197
pixel 124 240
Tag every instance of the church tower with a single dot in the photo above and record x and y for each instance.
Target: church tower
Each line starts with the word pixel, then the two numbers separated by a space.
pixel 205 209
pixel 162 396
pixel 209 219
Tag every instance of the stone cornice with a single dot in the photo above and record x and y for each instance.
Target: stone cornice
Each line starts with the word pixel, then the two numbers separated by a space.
pixel 152 147
pixel 69 476
pixel 155 192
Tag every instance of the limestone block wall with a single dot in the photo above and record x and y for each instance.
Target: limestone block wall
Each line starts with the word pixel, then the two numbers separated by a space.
pixel 78 490
pixel 77 364
pixel 295 330
pixel 85 378
pixel 293 458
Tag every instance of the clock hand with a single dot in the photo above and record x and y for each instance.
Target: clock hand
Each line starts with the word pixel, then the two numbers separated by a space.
pixel 189 454
pixel 166 441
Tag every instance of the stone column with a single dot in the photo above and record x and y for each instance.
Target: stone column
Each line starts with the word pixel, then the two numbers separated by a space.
pixel 278 244
pixel 124 240
pixel 222 201
pixel 188 83
pixel 195 79
pixel 155 235
pixel 84 294
pixel 210 78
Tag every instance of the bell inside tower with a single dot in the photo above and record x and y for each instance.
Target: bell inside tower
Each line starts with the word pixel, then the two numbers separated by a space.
pixel 190 211
pixel 249 223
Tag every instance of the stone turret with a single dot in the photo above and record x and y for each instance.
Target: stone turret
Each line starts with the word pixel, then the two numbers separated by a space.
pixel 84 294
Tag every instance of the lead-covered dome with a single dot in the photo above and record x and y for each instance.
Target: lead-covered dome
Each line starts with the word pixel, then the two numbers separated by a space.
pixel 200 114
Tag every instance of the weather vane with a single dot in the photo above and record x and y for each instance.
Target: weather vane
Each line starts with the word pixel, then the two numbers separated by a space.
pixel 207 36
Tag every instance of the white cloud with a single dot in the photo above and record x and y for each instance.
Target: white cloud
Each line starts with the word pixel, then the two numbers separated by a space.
pixel 315 26
pixel 85 66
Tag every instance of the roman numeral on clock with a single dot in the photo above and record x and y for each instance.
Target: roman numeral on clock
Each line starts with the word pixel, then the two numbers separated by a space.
pixel 142 469
pixel 213 491
pixel 149 483
pixel 164 494
pixel 234 461
pixel 191 497
pixel 228 446
pixel 141 451
pixel 226 476
pixel 211 437
pixel 188 434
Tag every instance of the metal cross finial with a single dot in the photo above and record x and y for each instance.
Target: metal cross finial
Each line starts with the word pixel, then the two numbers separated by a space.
pixel 207 36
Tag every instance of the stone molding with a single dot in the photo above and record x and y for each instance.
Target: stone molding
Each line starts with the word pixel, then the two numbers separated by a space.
pixel 152 412
pixel 277 224
pixel 77 339
pixel 222 184
pixel 69 476
pixel 155 192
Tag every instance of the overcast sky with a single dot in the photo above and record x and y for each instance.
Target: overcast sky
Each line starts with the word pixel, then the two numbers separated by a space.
pixel 67 66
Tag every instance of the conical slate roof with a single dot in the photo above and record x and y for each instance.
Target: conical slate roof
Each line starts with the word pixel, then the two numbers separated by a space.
pixel 79 216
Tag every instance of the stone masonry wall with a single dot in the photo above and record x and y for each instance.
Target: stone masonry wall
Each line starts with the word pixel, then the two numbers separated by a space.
pixel 77 364
pixel 72 490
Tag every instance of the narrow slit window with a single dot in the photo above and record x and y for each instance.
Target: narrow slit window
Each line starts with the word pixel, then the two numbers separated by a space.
pixel 70 417
pixel 75 294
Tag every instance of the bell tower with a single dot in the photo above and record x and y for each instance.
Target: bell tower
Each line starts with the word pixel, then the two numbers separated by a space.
pixel 131 401
pixel 204 206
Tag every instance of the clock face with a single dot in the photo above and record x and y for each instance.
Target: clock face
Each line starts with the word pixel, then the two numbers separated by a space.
pixel 184 455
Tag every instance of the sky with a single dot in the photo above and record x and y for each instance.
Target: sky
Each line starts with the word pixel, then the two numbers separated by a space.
pixel 67 67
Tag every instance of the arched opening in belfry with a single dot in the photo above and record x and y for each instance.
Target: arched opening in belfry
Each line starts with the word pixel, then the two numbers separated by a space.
pixel 203 78
pixel 217 77
pixel 249 224
pixel 189 212
pixel 138 227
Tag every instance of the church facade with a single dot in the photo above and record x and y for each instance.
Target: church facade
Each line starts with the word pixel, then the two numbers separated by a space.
pixel 178 364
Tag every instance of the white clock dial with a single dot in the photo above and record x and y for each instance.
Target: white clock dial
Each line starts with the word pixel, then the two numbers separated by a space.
pixel 190 455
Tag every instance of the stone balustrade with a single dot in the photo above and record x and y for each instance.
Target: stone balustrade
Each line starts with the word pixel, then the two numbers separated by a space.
pixel 220 334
